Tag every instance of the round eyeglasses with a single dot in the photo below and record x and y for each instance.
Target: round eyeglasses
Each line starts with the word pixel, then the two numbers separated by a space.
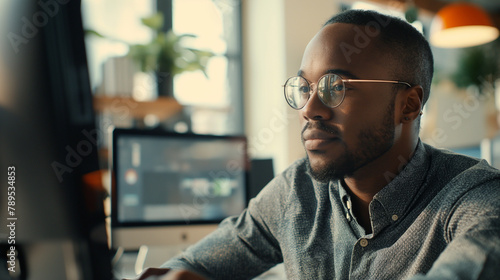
pixel 330 89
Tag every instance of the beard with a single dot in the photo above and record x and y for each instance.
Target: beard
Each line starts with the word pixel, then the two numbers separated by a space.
pixel 373 142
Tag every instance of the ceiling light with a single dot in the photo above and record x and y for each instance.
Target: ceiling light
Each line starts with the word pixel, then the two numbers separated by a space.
pixel 460 25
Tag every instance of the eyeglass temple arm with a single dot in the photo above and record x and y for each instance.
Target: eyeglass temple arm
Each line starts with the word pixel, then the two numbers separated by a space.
pixel 375 81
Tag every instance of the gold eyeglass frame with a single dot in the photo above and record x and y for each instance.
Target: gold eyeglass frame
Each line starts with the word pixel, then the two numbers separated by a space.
pixel 343 81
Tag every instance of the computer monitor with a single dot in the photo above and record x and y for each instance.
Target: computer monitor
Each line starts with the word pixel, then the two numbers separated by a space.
pixel 56 224
pixel 173 189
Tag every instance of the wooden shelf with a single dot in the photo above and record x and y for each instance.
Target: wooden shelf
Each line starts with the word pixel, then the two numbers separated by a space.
pixel 162 107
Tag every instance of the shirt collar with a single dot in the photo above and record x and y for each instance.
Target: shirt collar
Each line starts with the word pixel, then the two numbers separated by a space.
pixel 397 196
pixel 391 203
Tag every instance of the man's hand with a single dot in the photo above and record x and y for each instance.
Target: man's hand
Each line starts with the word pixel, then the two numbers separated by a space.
pixel 167 274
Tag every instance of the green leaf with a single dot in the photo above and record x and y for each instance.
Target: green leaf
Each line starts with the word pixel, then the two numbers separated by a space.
pixel 154 22
pixel 165 52
pixel 93 33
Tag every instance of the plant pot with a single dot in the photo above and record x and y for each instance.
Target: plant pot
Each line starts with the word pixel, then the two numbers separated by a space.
pixel 165 84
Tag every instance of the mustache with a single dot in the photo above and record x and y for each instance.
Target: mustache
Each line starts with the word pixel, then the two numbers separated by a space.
pixel 319 125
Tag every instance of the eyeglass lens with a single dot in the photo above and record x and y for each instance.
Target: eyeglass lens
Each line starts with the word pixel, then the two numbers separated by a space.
pixel 330 91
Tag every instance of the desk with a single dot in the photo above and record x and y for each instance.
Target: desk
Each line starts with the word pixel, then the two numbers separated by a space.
pixel 132 263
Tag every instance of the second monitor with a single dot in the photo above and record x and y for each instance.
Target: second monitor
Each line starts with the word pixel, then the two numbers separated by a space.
pixel 171 188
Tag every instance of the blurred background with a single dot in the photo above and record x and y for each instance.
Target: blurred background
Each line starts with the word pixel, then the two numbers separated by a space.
pixel 71 71
pixel 253 47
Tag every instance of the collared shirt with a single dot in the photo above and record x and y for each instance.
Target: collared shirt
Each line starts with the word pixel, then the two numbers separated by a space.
pixel 439 218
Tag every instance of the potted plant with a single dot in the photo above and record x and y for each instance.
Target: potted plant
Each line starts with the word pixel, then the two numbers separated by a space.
pixel 164 55
pixel 478 67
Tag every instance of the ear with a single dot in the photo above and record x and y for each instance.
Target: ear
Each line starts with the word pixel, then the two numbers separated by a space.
pixel 412 103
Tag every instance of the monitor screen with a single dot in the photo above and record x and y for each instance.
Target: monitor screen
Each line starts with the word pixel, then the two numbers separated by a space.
pixel 170 179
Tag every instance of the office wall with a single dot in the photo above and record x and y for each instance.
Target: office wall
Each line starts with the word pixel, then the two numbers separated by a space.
pixel 275 34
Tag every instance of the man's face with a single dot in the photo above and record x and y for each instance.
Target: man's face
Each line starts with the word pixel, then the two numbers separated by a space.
pixel 341 141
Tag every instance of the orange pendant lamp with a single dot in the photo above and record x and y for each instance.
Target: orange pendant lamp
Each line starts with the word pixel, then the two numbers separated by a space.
pixel 460 25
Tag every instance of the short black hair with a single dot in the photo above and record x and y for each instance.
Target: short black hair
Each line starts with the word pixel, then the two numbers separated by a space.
pixel 405 43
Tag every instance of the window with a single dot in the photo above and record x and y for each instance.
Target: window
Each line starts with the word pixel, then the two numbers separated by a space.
pixel 216 100
pixel 213 103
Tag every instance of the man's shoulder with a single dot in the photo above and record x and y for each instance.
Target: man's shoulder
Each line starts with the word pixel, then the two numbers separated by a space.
pixel 461 173
pixel 445 161
pixel 293 181
pixel 442 155
pixel 288 178
pixel 297 174
pixel 297 169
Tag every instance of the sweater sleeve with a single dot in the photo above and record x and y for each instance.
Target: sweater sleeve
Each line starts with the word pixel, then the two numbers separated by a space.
pixel 243 246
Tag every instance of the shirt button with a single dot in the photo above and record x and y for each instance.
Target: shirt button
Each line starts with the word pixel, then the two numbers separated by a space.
pixel 363 242
pixel 348 204
pixel 395 217
pixel 348 217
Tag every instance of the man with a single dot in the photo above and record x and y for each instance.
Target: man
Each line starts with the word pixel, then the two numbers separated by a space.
pixel 370 200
